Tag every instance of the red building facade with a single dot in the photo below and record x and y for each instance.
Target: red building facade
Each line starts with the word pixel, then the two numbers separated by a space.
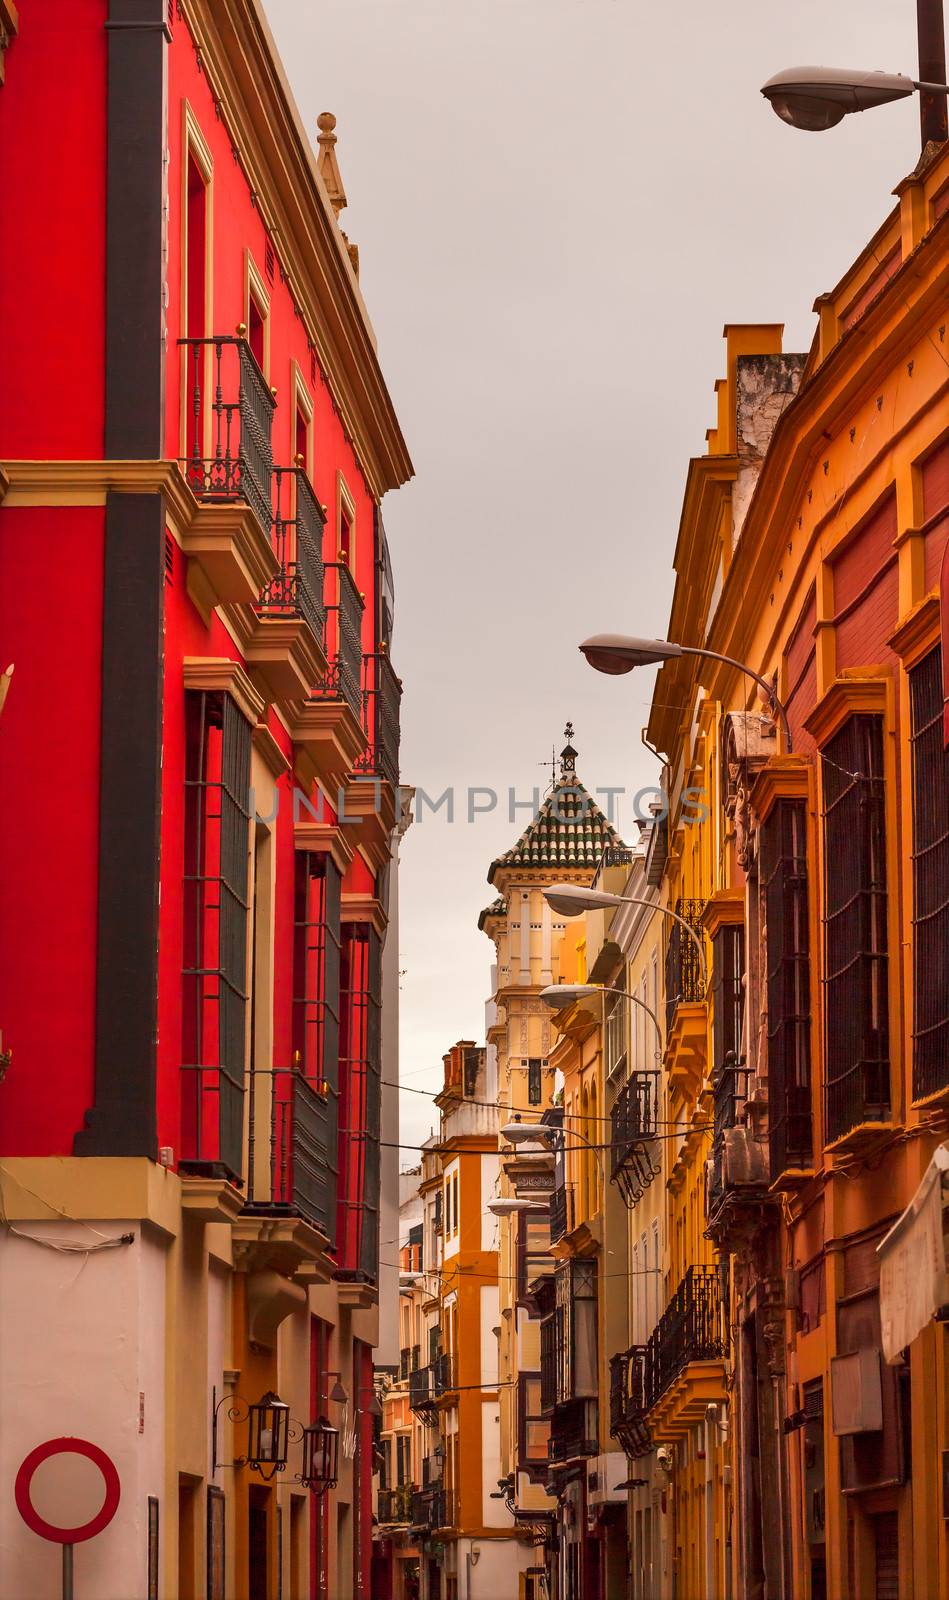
pixel 196 434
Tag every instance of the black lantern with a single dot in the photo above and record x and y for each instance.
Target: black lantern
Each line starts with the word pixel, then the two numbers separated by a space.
pixel 268 1425
pixel 320 1456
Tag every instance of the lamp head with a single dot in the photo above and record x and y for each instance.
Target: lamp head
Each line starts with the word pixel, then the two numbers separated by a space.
pixel 511 1207
pixel 572 899
pixel 616 653
pixel 527 1132
pixel 817 98
pixel 338 1394
pixel 559 995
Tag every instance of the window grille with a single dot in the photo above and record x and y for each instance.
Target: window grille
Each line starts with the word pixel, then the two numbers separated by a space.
pixel 930 879
pixel 855 935
pixel 784 883
pixel 214 967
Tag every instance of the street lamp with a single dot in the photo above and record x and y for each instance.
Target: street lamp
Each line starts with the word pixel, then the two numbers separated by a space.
pixel 616 653
pixel 545 1133
pixel 512 1207
pixel 572 900
pixel 815 98
pixel 558 995
pixel 320 1456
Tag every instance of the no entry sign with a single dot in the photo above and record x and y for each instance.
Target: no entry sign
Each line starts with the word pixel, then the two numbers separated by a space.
pixel 85 1530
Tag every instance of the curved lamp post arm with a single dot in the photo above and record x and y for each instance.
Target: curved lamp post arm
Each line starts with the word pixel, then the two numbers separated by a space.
pixel 637 1001
pixel 715 655
pixel 584 1140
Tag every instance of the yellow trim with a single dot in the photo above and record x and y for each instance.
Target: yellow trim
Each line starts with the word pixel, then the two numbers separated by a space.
pixel 345 502
pixel 207 672
pixel 302 399
pixel 256 289
pixel 193 143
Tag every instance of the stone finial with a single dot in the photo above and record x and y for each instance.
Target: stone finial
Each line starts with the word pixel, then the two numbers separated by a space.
pixel 327 162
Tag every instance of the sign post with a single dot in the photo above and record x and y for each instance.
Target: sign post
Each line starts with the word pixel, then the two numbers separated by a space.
pixel 67 1537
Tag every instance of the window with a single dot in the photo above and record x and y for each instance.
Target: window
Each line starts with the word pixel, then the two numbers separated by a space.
pixel 454 1186
pixel 615 1035
pixel 360 1099
pixel 533 1250
pixel 728 989
pixel 534 1089
pixel 533 1432
pixel 255 332
pixel 214 976
pixel 855 936
pixel 784 886
pixel 930 879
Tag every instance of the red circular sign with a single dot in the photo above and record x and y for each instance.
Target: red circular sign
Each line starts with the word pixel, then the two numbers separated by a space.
pixel 76 1447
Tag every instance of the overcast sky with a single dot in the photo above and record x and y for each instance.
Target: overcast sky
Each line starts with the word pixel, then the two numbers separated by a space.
pixel 558 204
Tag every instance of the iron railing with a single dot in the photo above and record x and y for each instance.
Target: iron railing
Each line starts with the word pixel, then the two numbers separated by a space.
pixel 395 1505
pixel 230 421
pixel 628 1401
pixel 432 1508
pixel 443 1374
pixel 684 984
pixel 296 590
pixel 930 880
pixel 730 1091
pixel 431 1472
pixel 343 639
pixel 381 697
pixel 562 1212
pixel 552 1336
pixel 634 1123
pixel 303 1178
pixel 405 1363
pixel 425 1389
pixel 690 1329
pixel 573 1431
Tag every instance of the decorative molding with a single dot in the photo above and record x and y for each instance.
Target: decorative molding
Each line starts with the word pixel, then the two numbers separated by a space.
pixel 918 633
pixel 363 908
pixel 724 909
pixel 283 655
pixel 324 838
pixel 847 697
pixel 784 778
pixel 228 677
pixel 269 751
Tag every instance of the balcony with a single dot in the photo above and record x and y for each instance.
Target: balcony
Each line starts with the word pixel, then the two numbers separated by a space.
pixel 344 640
pixel 230 419
pixel 292 1181
pixel 432 1508
pixel 634 1121
pixel 573 1432
pixel 686 1014
pixel 381 698
pixel 468 1119
pixel 684 1361
pixel 394 1506
pixel 628 1401
pixel 444 1379
pixel 296 590
pixel 422 1396
pixel 327 728
pixel 562 1212
pixel 729 1095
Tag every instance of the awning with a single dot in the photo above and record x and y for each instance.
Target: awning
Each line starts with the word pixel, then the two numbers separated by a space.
pixel 914 1283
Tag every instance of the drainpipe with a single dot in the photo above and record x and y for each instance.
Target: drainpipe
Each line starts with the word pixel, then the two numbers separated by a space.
pixel 711 1416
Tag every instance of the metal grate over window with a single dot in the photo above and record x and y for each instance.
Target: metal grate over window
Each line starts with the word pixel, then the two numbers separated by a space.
pixel 214 967
pixel 855 936
pixel 360 1062
pixel 784 883
pixel 930 879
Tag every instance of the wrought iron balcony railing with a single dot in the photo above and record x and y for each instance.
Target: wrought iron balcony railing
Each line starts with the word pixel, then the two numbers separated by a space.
pixel 684 983
pixel 562 1212
pixel 343 639
pixel 381 697
pixel 628 1401
pixel 405 1363
pixel 229 424
pixel 422 1395
pixel 431 1472
pixel 303 1150
pixel 432 1508
pixel 395 1505
pixel 296 590
pixel 690 1329
pixel 573 1431
pixel 443 1374
pixel 634 1121
pixel 730 1092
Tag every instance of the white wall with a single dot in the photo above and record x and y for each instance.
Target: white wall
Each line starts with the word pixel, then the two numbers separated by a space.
pixel 490 1168
pixel 81 1339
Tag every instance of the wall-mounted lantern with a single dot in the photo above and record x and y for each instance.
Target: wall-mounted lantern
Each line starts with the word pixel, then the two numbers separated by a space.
pixel 268 1429
pixel 320 1456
